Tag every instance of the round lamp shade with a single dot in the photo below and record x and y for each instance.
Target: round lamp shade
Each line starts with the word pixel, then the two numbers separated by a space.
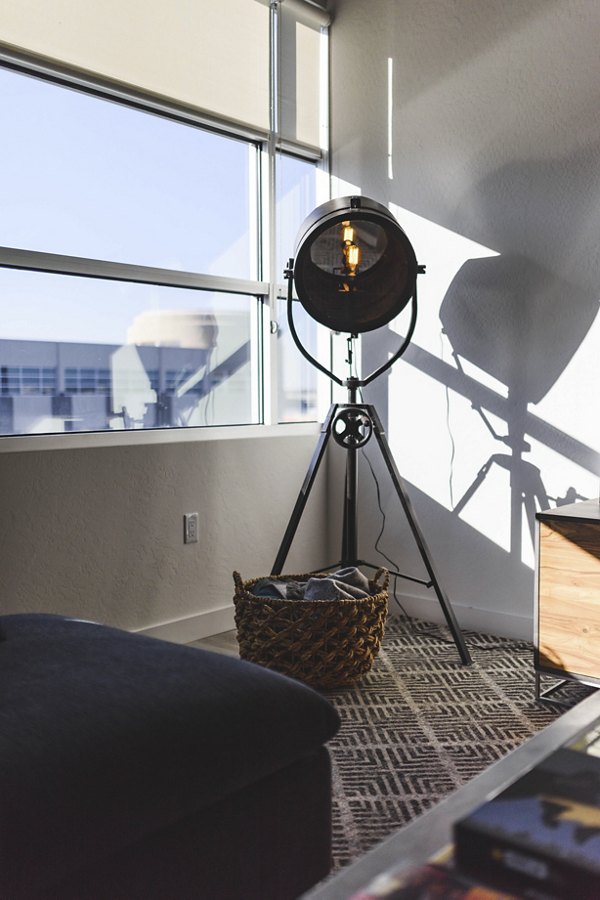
pixel 354 267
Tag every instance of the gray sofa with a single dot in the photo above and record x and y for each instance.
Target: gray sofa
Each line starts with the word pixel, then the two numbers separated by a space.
pixel 135 768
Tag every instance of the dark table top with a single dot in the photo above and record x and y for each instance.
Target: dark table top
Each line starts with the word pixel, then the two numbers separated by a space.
pixel 588 510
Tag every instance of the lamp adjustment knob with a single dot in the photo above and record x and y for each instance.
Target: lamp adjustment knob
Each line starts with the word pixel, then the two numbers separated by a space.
pixel 352 427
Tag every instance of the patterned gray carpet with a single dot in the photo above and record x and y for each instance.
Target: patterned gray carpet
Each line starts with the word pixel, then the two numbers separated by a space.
pixel 421 724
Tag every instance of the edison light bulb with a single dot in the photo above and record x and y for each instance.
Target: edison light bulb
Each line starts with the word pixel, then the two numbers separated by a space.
pixel 347 233
pixel 353 257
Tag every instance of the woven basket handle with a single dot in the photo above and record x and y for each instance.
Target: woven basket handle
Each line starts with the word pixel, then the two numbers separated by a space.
pixel 386 579
pixel 239 584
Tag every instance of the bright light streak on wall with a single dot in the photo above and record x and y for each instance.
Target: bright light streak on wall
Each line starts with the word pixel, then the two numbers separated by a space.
pixel 324 91
pixel 390 116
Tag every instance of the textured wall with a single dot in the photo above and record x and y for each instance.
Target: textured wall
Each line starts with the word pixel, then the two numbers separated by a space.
pixel 98 532
pixel 493 169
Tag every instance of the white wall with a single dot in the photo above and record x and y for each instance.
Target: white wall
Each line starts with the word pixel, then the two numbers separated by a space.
pixel 97 532
pixel 495 176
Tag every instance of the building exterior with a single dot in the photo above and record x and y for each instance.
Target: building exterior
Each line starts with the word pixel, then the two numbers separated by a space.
pixel 50 387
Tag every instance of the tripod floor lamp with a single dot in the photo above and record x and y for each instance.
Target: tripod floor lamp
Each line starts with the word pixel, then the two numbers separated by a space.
pixel 355 270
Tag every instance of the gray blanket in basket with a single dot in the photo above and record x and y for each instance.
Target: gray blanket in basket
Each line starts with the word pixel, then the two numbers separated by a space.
pixel 345 584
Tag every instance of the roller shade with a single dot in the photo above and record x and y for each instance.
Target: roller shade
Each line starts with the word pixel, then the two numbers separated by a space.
pixel 210 54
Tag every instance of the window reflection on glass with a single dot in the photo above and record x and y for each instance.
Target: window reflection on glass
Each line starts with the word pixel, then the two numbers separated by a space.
pixel 297 381
pixel 79 354
pixel 83 176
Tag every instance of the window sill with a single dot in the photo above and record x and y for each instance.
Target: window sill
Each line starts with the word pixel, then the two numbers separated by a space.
pixel 76 441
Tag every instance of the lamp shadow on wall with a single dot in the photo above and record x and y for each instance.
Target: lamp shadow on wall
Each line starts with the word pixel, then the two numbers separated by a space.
pixel 518 323
pixel 521 325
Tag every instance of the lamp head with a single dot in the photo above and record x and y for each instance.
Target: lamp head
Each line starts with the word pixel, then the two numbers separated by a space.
pixel 354 268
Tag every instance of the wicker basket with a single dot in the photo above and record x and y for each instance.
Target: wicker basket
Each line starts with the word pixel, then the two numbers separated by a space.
pixel 325 643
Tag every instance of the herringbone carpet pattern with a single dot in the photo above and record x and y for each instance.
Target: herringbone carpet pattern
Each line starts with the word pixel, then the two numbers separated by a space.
pixel 421 724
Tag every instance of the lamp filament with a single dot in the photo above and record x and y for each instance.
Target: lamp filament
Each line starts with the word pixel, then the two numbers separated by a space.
pixel 351 251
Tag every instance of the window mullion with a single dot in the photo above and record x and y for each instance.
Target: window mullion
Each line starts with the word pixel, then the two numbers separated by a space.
pixel 270 347
pixel 37 261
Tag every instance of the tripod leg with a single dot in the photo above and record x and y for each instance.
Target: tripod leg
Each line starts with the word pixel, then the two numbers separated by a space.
pixel 350 524
pixel 304 493
pixel 418 536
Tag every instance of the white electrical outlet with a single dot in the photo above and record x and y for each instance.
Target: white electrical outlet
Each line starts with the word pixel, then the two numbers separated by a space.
pixel 190 528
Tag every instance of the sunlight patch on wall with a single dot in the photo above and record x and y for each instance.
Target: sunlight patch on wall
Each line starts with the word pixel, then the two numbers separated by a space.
pixel 444 456
pixel 439 442
pixel 341 188
pixel 578 381
pixel 443 252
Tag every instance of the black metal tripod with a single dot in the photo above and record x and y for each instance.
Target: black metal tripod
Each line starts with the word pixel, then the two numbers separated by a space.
pixel 352 425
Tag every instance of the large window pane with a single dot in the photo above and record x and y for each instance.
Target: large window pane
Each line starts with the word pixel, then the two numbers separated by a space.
pixel 297 381
pixel 88 177
pixel 79 354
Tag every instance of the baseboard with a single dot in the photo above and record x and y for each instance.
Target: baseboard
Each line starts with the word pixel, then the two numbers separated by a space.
pixel 496 622
pixel 193 628
pixel 216 621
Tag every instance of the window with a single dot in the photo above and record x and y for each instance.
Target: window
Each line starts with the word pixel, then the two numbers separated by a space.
pixel 17 380
pixel 134 231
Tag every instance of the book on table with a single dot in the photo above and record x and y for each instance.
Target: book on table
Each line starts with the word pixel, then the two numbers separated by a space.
pixel 541 835
pixel 430 881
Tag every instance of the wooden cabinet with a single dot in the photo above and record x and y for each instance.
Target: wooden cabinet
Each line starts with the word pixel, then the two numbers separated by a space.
pixel 567 607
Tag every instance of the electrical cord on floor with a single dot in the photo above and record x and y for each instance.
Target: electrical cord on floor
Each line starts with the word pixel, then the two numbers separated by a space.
pixel 517 644
pixel 434 632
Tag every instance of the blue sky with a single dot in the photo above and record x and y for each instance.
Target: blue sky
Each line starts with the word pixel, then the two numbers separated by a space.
pixel 88 177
